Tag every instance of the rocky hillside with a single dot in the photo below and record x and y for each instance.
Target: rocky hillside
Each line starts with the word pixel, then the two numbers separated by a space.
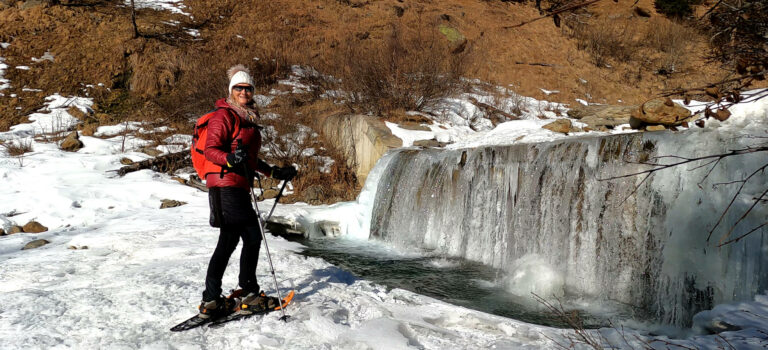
pixel 169 67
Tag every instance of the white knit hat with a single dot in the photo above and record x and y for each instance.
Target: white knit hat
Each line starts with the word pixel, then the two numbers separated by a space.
pixel 239 75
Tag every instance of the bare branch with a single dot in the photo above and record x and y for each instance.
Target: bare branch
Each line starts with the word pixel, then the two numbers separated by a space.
pixel 565 9
pixel 686 161
pixel 733 199
pixel 733 227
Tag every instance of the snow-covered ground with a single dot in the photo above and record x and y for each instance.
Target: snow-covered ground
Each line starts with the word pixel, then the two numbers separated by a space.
pixel 119 272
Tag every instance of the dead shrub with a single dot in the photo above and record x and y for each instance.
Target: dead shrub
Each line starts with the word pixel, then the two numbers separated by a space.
pixel 605 39
pixel 204 79
pixel 324 176
pixel 324 183
pixel 155 69
pixel 18 147
pixel 407 72
pixel 671 39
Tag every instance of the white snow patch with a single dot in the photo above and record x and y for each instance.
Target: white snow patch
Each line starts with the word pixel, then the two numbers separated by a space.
pixel 47 56
pixel 53 118
pixel 174 6
pixel 409 136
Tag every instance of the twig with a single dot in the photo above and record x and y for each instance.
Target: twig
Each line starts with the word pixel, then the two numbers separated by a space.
pixel 733 227
pixel 668 343
pixel 539 64
pixel 742 236
pixel 686 161
pixel 726 341
pixel 565 9
pixel 711 9
pixel 733 199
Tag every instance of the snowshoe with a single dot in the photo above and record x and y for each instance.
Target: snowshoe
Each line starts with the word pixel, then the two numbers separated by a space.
pixel 211 311
pixel 257 304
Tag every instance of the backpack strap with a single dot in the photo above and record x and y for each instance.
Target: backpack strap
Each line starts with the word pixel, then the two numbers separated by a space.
pixel 235 133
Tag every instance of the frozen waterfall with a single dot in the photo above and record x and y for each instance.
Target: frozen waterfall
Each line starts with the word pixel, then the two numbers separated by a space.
pixel 541 211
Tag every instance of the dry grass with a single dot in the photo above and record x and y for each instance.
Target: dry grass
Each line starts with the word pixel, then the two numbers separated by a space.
pixel 288 140
pixel 18 147
pixel 671 39
pixel 408 71
pixel 606 40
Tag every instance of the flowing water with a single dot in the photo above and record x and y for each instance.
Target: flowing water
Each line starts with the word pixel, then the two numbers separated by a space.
pixel 453 280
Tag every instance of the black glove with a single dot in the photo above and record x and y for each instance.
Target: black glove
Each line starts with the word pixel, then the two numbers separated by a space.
pixel 237 158
pixel 284 173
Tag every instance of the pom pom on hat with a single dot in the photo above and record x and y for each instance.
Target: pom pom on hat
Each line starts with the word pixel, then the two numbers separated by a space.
pixel 239 75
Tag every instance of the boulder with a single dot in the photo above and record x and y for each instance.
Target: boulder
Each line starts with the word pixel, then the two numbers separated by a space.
pixel 560 125
pixel 362 139
pixel 2 232
pixel 35 244
pixel 170 203
pixel 15 229
pixel 655 128
pixel 71 143
pixel 126 161
pixel 34 227
pixel 597 116
pixel 660 111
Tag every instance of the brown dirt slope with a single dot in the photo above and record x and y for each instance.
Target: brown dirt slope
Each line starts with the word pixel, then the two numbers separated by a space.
pixel 172 70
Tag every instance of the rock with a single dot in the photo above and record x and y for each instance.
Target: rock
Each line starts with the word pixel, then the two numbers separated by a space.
pixel 34 227
pixel 655 128
pixel 270 193
pixel 602 115
pixel 329 228
pixel 560 125
pixel 314 194
pixel 452 34
pixel 35 244
pixel 15 229
pixel 399 11
pixel 170 203
pixel 426 143
pixel 71 143
pixel 34 3
pixel 641 11
pixel 658 111
pixel 126 161
pixel 76 112
pixel 2 232
pixel 362 139
pixel 459 46
pixel 154 152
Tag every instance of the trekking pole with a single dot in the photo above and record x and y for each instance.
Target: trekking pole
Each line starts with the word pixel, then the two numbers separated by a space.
pixel 284 318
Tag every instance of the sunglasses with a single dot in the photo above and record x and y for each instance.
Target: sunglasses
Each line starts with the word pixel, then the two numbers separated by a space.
pixel 241 88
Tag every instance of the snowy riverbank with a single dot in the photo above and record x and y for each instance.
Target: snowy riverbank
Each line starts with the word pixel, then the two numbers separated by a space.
pixel 143 269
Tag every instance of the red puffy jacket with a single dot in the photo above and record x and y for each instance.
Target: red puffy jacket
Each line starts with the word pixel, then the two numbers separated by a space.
pixel 219 144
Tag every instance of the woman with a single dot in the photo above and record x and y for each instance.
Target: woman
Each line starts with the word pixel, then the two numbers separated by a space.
pixel 234 145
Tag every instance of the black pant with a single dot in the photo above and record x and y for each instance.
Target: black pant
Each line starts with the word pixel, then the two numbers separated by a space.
pixel 228 238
